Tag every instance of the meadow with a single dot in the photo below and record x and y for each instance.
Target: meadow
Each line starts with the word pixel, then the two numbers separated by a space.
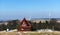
pixel 30 33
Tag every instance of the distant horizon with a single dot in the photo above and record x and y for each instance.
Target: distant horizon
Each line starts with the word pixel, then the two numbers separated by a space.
pixel 29 19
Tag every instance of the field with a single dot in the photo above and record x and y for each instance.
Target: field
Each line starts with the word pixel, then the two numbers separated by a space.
pixel 29 33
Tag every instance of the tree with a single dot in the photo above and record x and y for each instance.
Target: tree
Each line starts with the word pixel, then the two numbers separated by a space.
pixel 52 23
pixel 47 24
pixel 33 26
pixel 15 24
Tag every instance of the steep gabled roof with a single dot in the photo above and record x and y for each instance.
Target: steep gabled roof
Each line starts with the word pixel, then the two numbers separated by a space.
pixel 24 20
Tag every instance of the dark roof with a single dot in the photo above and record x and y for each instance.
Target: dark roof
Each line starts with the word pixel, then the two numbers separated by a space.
pixel 26 22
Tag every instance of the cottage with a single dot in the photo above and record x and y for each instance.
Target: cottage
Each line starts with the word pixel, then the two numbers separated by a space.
pixel 24 26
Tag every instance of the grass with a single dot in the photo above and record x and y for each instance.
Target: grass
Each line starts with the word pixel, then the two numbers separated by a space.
pixel 35 33
pixel 46 33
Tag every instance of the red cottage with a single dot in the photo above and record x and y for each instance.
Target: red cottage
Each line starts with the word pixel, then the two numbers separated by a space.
pixel 24 26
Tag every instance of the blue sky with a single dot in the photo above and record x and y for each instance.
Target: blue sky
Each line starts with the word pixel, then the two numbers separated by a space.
pixel 18 9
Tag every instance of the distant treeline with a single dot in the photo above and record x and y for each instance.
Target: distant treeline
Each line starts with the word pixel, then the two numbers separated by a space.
pixel 52 24
pixel 11 25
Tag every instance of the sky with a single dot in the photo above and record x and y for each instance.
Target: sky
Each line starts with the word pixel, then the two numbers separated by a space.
pixel 18 9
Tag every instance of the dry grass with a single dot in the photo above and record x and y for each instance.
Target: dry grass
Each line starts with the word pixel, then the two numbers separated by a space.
pixel 35 33
pixel 8 33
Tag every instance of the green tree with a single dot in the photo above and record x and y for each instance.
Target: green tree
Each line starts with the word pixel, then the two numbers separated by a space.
pixel 53 22
pixel 47 24
pixel 33 26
